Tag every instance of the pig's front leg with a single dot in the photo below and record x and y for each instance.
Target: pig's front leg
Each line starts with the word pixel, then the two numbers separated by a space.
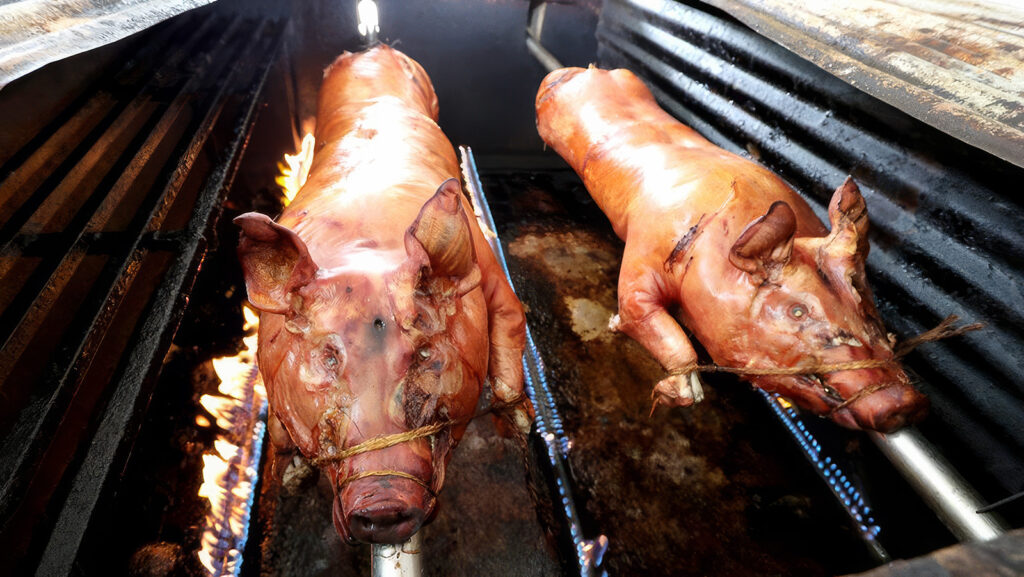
pixel 643 316
pixel 507 327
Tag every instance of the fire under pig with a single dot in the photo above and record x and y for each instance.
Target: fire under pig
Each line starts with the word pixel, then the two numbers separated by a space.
pixel 722 245
pixel 383 310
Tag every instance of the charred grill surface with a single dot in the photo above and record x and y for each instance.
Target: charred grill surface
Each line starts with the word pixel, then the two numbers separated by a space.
pixel 105 216
pixel 945 219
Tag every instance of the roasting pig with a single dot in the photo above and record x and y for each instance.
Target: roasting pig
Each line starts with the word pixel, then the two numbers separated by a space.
pixel 733 252
pixel 383 310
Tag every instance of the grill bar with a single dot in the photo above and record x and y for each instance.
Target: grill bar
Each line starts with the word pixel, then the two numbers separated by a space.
pixel 29 309
pixel 112 441
pixel 104 220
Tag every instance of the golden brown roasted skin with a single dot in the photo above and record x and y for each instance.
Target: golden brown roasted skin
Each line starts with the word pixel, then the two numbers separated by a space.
pixel 757 278
pixel 383 308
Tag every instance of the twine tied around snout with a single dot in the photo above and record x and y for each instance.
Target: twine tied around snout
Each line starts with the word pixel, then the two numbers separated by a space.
pixel 385 441
pixel 943 330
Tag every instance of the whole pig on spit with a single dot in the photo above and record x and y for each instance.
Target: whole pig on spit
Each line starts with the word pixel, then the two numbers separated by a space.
pixel 761 283
pixel 383 310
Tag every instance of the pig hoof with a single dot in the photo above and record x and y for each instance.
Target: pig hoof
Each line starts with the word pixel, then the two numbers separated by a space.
pixel 614 323
pixel 522 419
pixel 678 391
pixel 297 475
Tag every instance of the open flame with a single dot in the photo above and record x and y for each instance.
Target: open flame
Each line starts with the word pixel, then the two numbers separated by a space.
pixel 239 410
pixel 295 168
pixel 230 473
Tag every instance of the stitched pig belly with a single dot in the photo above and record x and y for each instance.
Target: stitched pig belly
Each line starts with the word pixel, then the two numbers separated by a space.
pixel 383 310
pixel 753 273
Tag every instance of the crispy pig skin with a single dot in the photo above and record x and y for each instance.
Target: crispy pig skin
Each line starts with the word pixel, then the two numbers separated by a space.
pixel 753 273
pixel 383 308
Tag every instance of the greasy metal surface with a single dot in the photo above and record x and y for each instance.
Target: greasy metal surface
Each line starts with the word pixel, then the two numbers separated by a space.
pixel 548 419
pixel 103 228
pixel 718 489
pixel 34 33
pixel 945 218
pixel 487 523
pixel 957 65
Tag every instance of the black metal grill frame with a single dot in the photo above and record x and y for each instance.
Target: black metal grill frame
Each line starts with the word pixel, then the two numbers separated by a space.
pixel 196 84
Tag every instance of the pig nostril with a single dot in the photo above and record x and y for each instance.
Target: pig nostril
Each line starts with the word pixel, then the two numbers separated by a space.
pixel 385 526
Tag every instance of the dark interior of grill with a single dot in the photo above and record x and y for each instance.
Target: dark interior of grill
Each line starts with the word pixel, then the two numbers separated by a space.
pixel 122 167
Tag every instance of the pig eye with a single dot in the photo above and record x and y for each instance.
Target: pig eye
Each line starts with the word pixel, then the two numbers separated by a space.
pixel 424 353
pixel 332 358
pixel 798 312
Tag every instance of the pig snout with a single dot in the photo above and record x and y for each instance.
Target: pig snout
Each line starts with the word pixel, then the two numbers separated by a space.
pixel 381 510
pixel 884 410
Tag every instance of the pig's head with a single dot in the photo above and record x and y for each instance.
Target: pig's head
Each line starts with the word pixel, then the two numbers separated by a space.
pixel 382 343
pixel 810 305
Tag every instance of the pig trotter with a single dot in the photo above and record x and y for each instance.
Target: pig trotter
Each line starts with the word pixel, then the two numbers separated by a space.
pixel 678 390
pixel 298 475
pixel 511 406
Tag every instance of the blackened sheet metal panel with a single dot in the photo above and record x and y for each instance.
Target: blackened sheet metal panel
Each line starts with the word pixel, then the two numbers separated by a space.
pixel 946 232
pixel 957 65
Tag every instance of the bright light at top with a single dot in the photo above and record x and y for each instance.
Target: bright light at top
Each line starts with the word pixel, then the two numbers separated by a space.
pixel 368 20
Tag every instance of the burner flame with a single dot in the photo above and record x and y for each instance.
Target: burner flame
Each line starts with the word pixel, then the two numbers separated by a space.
pixel 240 412
pixel 230 473
pixel 295 168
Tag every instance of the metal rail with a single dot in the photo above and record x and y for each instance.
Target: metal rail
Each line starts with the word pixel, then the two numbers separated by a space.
pixel 534 29
pixel 589 552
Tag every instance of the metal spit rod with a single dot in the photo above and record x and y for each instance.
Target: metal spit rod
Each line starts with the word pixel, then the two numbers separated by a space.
pixel 533 34
pixel 941 487
pixel 402 560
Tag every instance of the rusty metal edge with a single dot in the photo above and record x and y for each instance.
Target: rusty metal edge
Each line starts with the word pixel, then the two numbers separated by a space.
pixel 26 48
pixel 986 133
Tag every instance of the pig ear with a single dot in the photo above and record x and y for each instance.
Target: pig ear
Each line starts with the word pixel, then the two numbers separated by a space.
pixel 848 215
pixel 442 230
pixel 766 244
pixel 275 261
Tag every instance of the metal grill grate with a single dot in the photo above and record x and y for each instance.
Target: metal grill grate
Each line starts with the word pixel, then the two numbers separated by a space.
pixel 104 219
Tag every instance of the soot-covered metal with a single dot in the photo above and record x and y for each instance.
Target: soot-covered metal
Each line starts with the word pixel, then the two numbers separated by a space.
pixel 105 218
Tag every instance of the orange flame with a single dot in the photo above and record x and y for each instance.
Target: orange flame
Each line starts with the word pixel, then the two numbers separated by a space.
pixel 229 473
pixel 295 168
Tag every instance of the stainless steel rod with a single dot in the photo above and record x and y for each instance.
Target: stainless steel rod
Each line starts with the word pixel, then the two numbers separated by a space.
pixel 546 59
pixel 402 560
pixel 943 489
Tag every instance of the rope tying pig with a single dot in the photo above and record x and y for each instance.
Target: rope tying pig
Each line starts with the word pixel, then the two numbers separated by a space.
pixel 385 441
pixel 943 330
